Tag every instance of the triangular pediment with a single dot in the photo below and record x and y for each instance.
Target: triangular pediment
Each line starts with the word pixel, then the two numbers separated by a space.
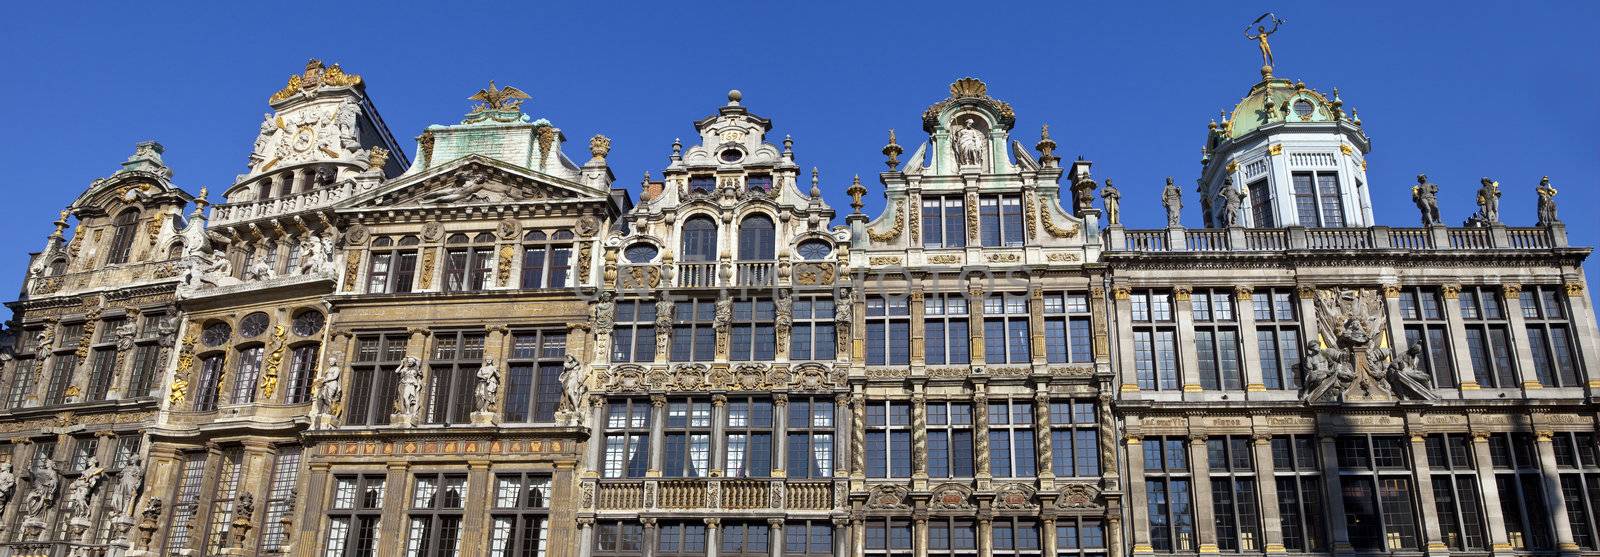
pixel 471 180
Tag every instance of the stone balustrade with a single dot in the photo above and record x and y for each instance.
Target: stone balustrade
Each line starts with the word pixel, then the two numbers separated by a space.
pixel 709 493
pixel 230 213
pixel 117 276
pixel 1433 238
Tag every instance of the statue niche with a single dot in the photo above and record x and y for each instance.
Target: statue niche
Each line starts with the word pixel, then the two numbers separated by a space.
pixel 969 141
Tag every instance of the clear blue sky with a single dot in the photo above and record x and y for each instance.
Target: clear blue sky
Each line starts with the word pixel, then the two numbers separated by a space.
pixel 1454 89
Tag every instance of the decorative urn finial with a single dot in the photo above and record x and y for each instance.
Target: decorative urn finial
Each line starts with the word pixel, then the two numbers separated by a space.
pixel 892 150
pixel 855 192
pixel 1046 147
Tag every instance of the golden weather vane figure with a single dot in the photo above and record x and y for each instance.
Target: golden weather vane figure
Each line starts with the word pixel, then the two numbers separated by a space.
pixel 1260 37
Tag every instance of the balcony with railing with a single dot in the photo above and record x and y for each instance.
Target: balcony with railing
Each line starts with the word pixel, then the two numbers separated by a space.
pixel 1295 238
pixel 694 274
pixel 755 273
pixel 229 213
pixel 714 493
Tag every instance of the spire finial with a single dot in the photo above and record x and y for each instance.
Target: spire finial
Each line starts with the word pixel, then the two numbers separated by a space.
pixel 892 150
pixel 788 145
pixel 677 149
pixel 1046 147
pixel 734 96
pixel 816 188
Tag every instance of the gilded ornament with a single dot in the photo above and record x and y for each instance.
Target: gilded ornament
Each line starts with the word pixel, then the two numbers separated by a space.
pixel 547 140
pixel 1056 230
pixel 1573 288
pixel 498 99
pixel 893 233
pixel 1345 148
pixel 1511 289
pixel 315 76
pixel 1232 167
pixel 1028 215
pixel 1391 291
pixel 1275 149
pixel 973 238
pixel 425 281
pixel 377 157
pixel 269 374
pixel 502 272
pixel 352 266
pixel 599 146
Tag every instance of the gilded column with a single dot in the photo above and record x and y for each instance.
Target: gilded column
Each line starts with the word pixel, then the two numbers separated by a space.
pixel 975 319
pixel 1205 516
pixel 1490 491
pixel 1552 491
pixel 918 345
pixel 1036 322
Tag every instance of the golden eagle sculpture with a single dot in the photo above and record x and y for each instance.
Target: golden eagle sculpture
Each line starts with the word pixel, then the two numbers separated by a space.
pixel 499 98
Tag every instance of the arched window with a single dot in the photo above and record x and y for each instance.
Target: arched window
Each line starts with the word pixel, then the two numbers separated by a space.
pixel 468 262
pixel 757 238
pixel 122 239
pixel 814 250
pixel 641 253
pixel 546 258
pixel 175 250
pixel 57 266
pixel 699 239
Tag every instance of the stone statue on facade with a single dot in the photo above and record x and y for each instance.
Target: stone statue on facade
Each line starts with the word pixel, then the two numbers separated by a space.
pixel 1232 205
pixel 475 187
pixel 125 333
pixel 8 486
pixel 486 394
pixel 1172 200
pixel 723 318
pixel 408 400
pixel 1406 375
pixel 328 393
pixel 41 497
pixel 80 494
pixel 1345 365
pixel 316 256
pixel 1322 377
pixel 1426 196
pixel 129 481
pixel 269 126
pixel 970 143
pixel 244 515
pixel 261 269
pixel 663 325
pixel 1488 200
pixel 1547 202
pixel 573 391
pixel 605 313
pixel 348 138
pixel 149 522
pixel 1113 199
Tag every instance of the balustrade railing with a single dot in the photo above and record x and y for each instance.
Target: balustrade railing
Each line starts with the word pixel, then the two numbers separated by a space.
pixel 617 496
pixel 744 494
pixel 682 494
pixel 1207 240
pixel 756 273
pixel 1529 238
pixel 1433 238
pixel 809 495
pixel 1410 238
pixel 697 274
pixel 1147 240
pixel 1338 238
pixel 1265 239
pixel 261 208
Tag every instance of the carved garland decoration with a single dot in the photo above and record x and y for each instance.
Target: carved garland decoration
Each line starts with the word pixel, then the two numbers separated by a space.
pixel 426 280
pixel 1028 215
pixel 892 233
pixel 352 266
pixel 502 272
pixel 1054 229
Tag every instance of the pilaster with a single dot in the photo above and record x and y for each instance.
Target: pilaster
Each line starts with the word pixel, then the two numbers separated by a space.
pixel 1267 489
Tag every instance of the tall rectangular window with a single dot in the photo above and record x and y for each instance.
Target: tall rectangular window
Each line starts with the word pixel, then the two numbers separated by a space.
pixel 810 437
pixel 1233 493
pixel 952 537
pixel 457 355
pixel 246 374
pixel 1277 337
pixel 1555 361
pixel 1074 438
pixel 615 538
pixel 1216 340
pixel 1488 337
pixel 302 371
pixel 1080 537
pixel 222 499
pixel 468 262
pixel 1167 484
pixel 1261 215
pixel 627 435
pixel 1422 314
pixel 63 363
pixel 1015 537
pixel 1006 338
pixel 391 267
pixel 688 438
pixel 1155 342
pixel 633 338
pixel 434 528
pixel 744 539
pixel 681 539
pixel 1580 485
pixel 1318 200
pixel 888 330
pixel 754 331
pixel 103 361
pixel 888 430
pixel 947 339
pixel 805 538
pixel 185 503
pixel 1011 452
pixel 1455 491
pixel 1298 472
pixel 748 440
pixel 519 521
pixel 208 389
pixel 1376 475
pixel 354 516
pixel 812 334
pixel 1000 220
pixel 1068 336
pixel 950 440
pixel 25 367
pixel 546 259
pixel 888 537
pixel 944 223
pixel 533 376
pixel 1520 484
pixel 280 497
pixel 694 333
pixel 372 384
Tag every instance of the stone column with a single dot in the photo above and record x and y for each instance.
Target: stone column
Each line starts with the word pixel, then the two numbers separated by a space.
pixel 775 536
pixel 975 296
pixel 1267 491
pixel 652 536
pixel 1460 353
pixel 1205 518
pixel 1188 360
pixel 308 541
pixel 658 435
pixel 597 440
pixel 1519 336
pixel 1583 326
pixel 858 437
pixel 563 487
pixel 396 493
pixel 917 304
pixel 1045 452
pixel 858 533
pixel 1047 534
pixel 480 496
pixel 980 435
pixel 841 536
pixel 1124 324
pixel 585 537
pixel 719 433
pixel 1138 496
pixel 1553 498
pixel 713 540
pixel 163 471
pixel 1422 477
pixel 842 431
pixel 780 435
pixel 985 534
pixel 1036 322
pixel 1249 345
pixel 919 532
pixel 1332 488
pixel 255 478
pixel 919 439
pixel 1490 493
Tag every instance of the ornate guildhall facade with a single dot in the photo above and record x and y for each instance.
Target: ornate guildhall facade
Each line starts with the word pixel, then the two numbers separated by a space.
pixel 488 348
